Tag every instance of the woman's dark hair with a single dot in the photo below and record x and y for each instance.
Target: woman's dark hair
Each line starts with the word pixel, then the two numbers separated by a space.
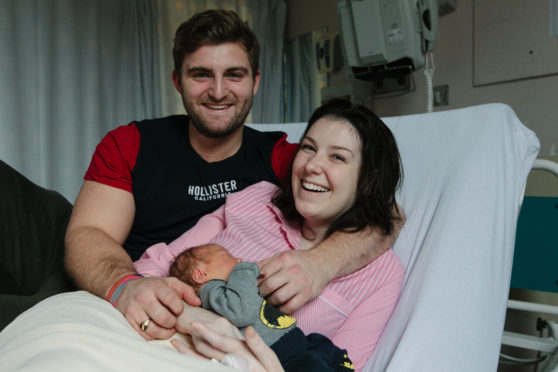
pixel 212 27
pixel 379 176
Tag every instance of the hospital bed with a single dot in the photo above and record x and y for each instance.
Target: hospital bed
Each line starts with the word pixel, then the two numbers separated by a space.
pixel 535 268
pixel 464 171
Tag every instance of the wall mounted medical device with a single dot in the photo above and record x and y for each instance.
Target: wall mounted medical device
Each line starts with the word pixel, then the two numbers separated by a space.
pixel 387 38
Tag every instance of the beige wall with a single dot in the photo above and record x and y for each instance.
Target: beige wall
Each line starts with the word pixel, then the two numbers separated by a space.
pixel 535 100
pixel 307 15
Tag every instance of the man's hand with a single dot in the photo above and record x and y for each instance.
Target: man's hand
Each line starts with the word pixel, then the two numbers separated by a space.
pixel 158 300
pixel 291 279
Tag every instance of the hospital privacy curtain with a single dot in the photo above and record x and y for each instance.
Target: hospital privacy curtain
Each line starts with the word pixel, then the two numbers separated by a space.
pixel 72 70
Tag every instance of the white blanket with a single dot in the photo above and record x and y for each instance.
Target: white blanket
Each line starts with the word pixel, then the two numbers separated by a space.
pixel 464 173
pixel 78 331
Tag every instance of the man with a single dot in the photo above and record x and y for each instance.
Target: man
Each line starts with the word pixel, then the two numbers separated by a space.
pixel 151 180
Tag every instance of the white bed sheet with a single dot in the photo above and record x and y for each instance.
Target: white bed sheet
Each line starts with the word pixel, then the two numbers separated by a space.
pixel 464 171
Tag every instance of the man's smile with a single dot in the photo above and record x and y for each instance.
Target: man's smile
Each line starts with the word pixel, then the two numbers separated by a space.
pixel 217 107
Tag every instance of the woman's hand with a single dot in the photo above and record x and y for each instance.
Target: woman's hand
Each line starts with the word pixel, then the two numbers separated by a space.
pixel 259 357
pixel 211 320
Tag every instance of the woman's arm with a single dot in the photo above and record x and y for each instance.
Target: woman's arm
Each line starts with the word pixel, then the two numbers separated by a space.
pixel 156 260
pixel 360 332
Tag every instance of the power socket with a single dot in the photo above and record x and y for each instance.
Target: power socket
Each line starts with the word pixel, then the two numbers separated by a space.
pixel 441 95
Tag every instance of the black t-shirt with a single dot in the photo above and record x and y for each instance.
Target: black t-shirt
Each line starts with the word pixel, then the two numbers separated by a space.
pixel 173 186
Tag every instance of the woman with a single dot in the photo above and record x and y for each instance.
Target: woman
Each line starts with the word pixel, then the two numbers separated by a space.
pixel 344 178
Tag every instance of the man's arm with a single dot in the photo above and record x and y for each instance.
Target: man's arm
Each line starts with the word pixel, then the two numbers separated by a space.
pixel 101 220
pixel 293 278
pixel 94 258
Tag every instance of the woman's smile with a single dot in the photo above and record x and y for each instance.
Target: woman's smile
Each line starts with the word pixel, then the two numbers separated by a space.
pixel 313 187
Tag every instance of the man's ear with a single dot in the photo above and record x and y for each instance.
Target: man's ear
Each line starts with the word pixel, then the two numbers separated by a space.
pixel 199 276
pixel 256 82
pixel 176 81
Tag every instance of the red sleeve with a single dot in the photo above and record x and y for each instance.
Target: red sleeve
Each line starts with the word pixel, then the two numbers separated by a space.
pixel 115 157
pixel 282 157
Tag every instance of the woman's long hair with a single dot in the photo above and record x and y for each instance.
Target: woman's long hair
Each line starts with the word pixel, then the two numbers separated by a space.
pixel 379 177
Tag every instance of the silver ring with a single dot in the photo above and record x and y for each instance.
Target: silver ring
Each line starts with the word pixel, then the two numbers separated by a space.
pixel 144 325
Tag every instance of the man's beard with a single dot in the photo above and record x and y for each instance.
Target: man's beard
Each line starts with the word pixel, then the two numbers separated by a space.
pixel 236 122
pixel 211 133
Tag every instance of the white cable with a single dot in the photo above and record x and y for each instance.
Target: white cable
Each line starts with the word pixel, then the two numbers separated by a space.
pixel 429 73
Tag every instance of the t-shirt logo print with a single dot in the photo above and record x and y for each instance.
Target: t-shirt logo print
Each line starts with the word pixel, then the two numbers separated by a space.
pixel 274 318
pixel 212 192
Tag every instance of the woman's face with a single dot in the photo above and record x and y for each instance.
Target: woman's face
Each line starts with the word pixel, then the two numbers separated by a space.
pixel 326 171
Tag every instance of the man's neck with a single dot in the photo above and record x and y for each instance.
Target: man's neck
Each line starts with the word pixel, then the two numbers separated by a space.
pixel 215 149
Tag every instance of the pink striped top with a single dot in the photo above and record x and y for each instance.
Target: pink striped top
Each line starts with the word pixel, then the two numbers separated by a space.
pixel 352 311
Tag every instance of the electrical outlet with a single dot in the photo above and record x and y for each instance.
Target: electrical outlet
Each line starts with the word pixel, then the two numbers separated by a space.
pixel 441 95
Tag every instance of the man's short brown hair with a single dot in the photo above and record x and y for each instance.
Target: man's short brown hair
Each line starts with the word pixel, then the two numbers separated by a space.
pixel 213 27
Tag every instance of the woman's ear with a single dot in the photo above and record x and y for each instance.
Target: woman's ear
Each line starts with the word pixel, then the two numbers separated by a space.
pixel 199 276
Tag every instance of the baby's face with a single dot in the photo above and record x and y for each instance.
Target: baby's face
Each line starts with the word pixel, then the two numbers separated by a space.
pixel 219 262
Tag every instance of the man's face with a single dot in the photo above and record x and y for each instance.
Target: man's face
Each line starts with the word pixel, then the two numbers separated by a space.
pixel 217 87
